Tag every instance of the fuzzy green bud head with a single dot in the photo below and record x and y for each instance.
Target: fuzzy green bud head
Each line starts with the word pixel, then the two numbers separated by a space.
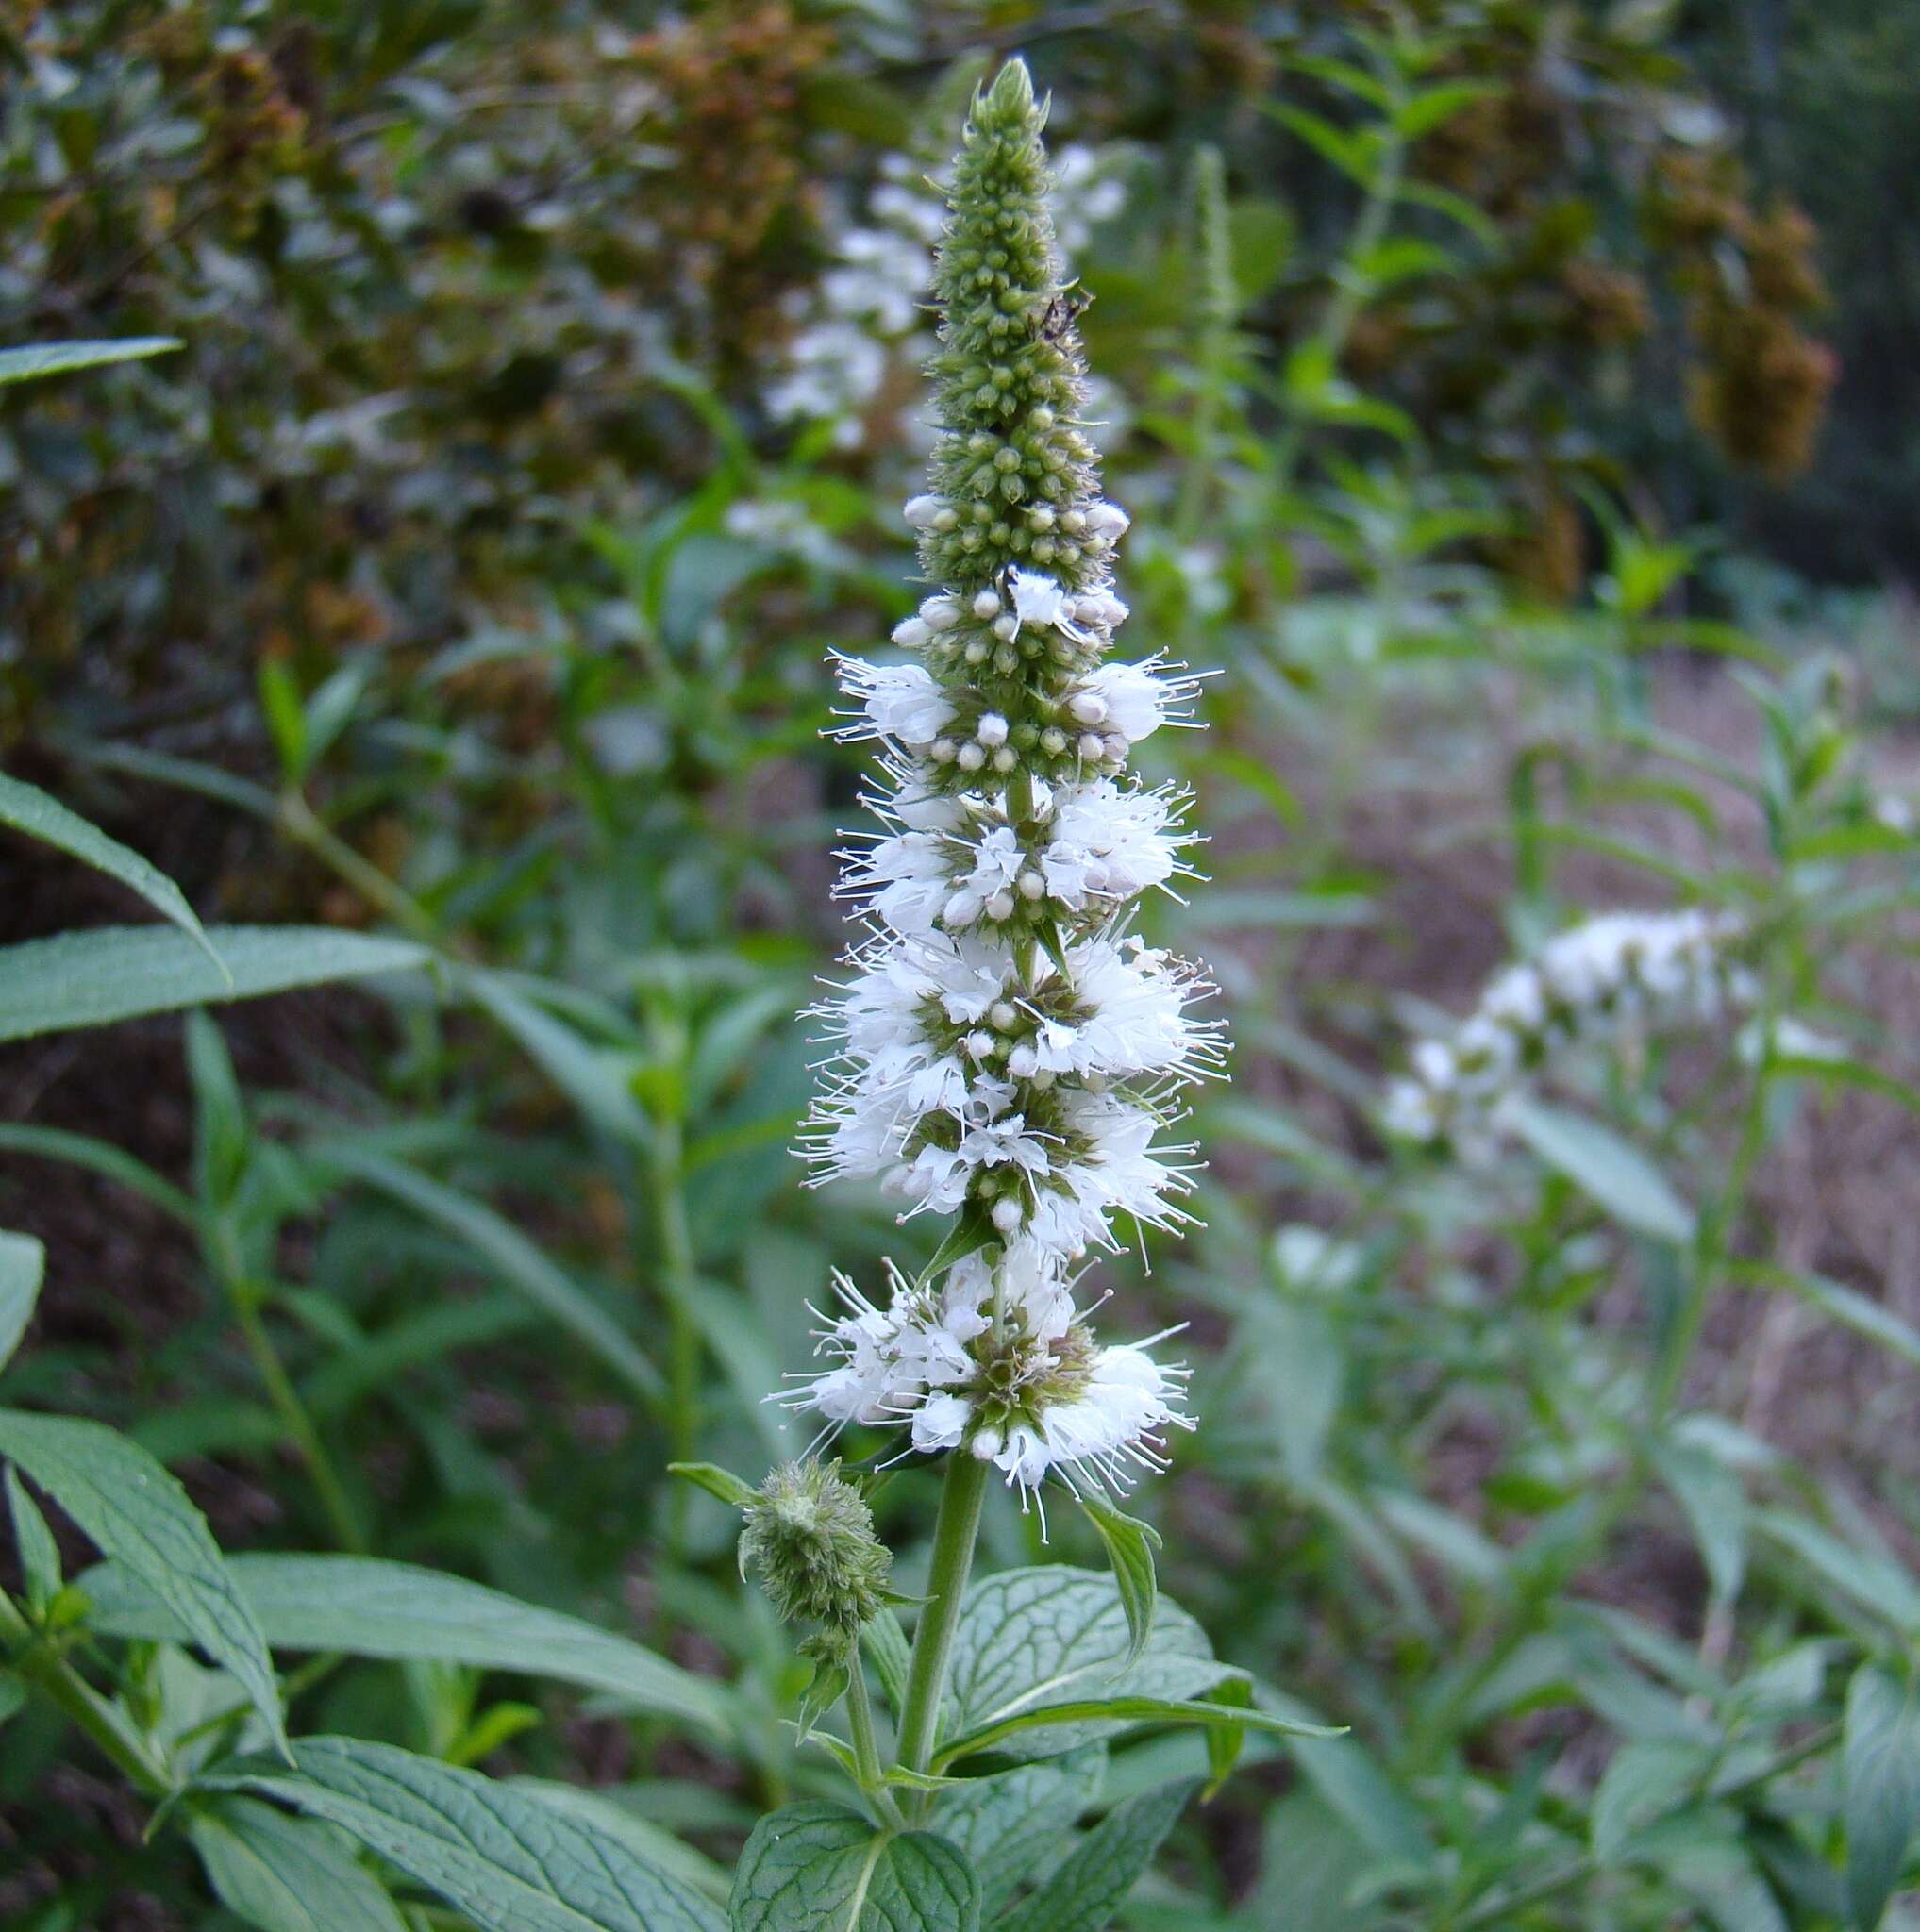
pixel 810 1538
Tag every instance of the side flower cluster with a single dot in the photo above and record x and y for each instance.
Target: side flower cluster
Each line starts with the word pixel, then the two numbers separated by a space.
pixel 1605 983
pixel 1003 1048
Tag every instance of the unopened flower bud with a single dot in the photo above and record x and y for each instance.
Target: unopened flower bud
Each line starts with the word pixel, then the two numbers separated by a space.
pixel 969 757
pixel 942 749
pixel 982 1044
pixel 1032 886
pixel 810 1538
pixel 1086 708
pixel 1008 1214
pixel 1107 519
pixel 939 613
pixel 1001 906
pixel 1053 741
pixel 921 510
pixel 1005 1015
pixel 986 605
pixel 1006 759
pixel 912 634
pixel 991 729
pixel 1091 746
pixel 1006 626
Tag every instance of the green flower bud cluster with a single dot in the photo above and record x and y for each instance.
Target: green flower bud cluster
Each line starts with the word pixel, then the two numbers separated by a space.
pixel 1014 473
pixel 810 1538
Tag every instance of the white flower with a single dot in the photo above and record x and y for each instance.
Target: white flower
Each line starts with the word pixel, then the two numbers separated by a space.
pixel 1137 702
pixel 1039 599
pixel 900 700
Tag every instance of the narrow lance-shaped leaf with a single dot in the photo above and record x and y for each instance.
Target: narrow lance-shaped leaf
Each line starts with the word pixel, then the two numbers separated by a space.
pixel 117 973
pixel 40 815
pixel 32 360
pixel 1130 1544
pixel 23 1263
pixel 1880 1758
pixel 140 1516
pixel 367 1607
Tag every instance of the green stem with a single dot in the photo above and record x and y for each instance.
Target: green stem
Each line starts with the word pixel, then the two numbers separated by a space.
pixel 954 1534
pixel 294 1419
pixel 866 1742
pixel 677 1278
pixel 301 823
pixel 104 1722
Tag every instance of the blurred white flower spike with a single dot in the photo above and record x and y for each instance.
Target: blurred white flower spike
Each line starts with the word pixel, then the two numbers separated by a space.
pixel 1613 980
pixel 1004 1049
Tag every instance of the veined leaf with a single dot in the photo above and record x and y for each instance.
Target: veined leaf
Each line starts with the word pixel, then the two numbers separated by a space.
pixel 507 1859
pixel 1087 1891
pixel 120 972
pixel 1034 1639
pixel 22 1263
pixel 1006 1824
pixel 287 1874
pixel 42 816
pixel 142 1517
pixel 369 1607
pixel 824 1868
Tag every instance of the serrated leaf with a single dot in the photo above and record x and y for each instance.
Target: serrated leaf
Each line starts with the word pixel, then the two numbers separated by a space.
pixel 287 1874
pixel 33 360
pixel 1130 1544
pixel 515 1260
pixel 1618 1176
pixel 42 816
pixel 115 972
pixel 824 1868
pixel 605 1817
pixel 1032 1639
pixel 1880 1761
pixel 504 1858
pixel 142 1517
pixel 22 1264
pixel 1087 1891
pixel 367 1607
pixel 1006 1824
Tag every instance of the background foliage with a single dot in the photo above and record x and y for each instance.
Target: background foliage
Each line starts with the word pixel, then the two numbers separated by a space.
pixel 459 587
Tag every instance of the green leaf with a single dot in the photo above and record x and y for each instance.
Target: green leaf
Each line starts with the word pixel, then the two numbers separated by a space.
pixel 221 1135
pixel 287 1874
pixel 1130 1544
pixel 716 1481
pixel 1087 1891
pixel 101 1158
pixel 1039 1639
pixel 1619 1177
pixel 142 1517
pixel 22 1264
pixel 884 1643
pixel 1715 1507
pixel 1839 1303
pixel 367 1607
pixel 1435 106
pixel 1871 1577
pixel 1232 1718
pixel 1006 1824
pixel 605 1817
pixel 593 1081
pixel 1644 1779
pixel 39 1555
pixel 519 1264
pixel 13 1696
pixel 120 972
pixel 33 360
pixel 504 1858
pixel 40 815
pixel 824 1868
pixel 1880 1759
